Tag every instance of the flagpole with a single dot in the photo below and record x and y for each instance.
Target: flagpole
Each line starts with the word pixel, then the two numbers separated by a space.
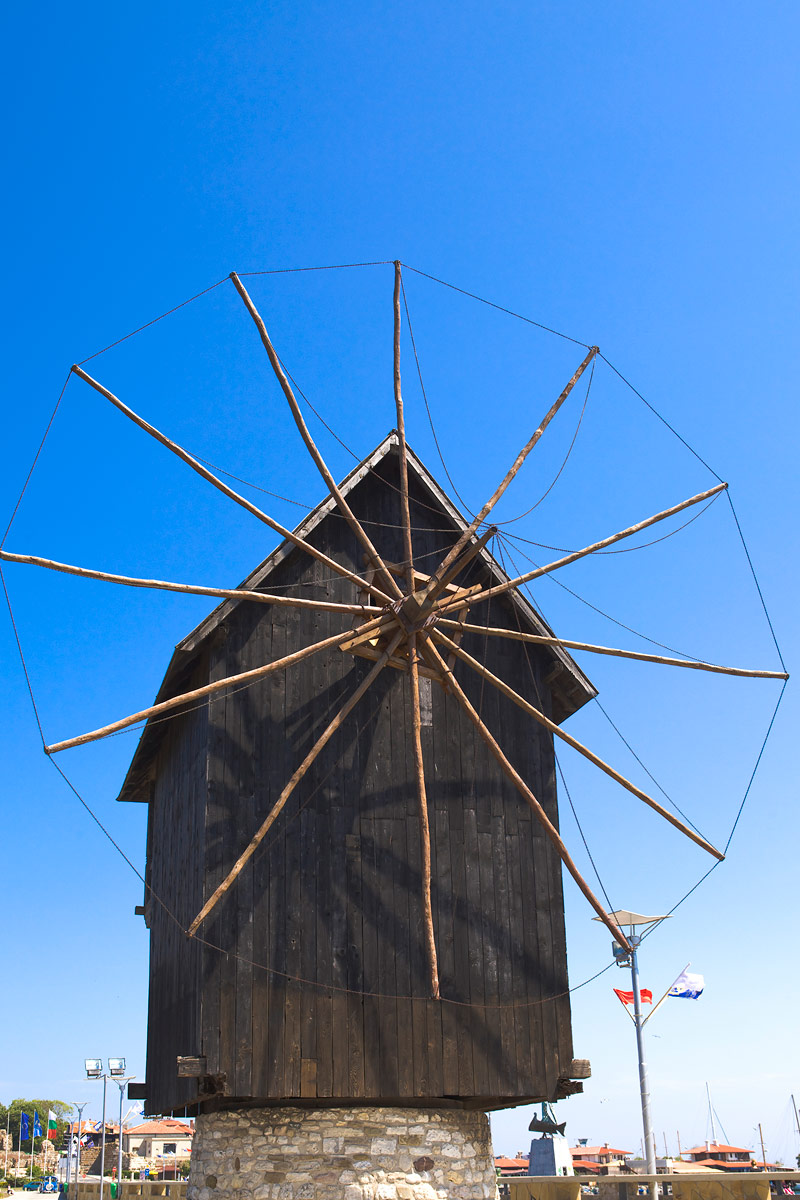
pixel 649 1140
pixel 70 1144
pixel 33 1144
pixel 19 1145
pixel 8 1128
pixel 666 993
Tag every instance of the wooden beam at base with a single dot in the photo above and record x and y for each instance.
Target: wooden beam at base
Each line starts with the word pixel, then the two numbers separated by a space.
pixel 401 664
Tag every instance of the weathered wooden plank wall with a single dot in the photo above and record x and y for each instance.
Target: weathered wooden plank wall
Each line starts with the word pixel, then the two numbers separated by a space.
pixel 332 897
pixel 175 875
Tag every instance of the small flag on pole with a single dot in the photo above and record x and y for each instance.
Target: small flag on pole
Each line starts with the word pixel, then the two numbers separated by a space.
pixel 627 997
pixel 37 1127
pixel 688 986
pixel 24 1130
pixel 52 1125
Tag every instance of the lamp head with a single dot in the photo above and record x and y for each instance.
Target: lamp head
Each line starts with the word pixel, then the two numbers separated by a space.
pixel 116 1066
pixel 94 1067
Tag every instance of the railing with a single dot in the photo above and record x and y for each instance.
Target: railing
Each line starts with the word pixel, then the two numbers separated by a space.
pixel 747 1185
pixel 131 1189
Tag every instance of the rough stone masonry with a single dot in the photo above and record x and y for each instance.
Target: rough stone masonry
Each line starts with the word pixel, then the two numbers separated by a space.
pixel 342 1154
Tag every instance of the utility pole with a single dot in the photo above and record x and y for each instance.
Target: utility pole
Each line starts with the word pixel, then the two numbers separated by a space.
pixel 763 1151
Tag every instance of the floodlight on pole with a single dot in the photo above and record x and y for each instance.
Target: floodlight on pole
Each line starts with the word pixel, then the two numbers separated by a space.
pixel 633 920
pixel 77 1148
pixel 121 1084
pixel 95 1070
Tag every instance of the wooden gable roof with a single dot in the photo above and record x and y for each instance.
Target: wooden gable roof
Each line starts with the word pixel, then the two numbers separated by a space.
pixel 570 687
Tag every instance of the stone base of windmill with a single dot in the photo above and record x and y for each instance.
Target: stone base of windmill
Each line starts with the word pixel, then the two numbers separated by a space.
pixel 342 1154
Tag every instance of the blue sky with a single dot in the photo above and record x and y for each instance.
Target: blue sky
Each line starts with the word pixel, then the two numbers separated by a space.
pixel 625 175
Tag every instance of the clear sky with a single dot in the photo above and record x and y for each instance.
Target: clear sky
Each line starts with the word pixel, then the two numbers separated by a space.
pixel 625 174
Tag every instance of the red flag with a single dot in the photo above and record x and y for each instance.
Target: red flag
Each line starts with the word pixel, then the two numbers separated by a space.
pixel 627 997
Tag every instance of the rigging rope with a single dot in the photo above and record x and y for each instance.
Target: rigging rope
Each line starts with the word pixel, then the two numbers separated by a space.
pixel 230 954
pixel 517 537
pixel 35 459
pixel 555 752
pixel 490 303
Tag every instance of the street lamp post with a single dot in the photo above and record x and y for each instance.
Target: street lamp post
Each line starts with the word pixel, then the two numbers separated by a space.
pixel 80 1108
pixel 121 1085
pixel 94 1070
pixel 624 959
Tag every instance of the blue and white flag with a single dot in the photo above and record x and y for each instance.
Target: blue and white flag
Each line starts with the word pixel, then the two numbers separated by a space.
pixel 37 1128
pixel 688 986
pixel 24 1131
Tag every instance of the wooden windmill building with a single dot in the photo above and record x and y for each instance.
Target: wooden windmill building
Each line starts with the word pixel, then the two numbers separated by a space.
pixel 309 980
pixel 353 882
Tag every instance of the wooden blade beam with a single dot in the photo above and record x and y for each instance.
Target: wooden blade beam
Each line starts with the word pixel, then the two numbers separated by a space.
pixel 437 586
pixel 189 588
pixel 401 434
pixel 540 640
pixel 208 689
pixel 223 487
pixel 575 744
pixel 531 800
pixel 424 824
pixel 335 491
pixel 517 464
pixel 279 804
pixel 609 541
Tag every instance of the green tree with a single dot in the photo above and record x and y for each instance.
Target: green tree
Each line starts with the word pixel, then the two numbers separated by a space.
pixel 13 1111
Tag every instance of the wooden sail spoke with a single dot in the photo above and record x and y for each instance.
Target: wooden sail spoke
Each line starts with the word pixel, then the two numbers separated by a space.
pixel 541 640
pixel 198 467
pixel 244 678
pixel 575 744
pixel 335 491
pixel 437 586
pixel 424 824
pixel 401 435
pixel 499 588
pixel 191 589
pixel 549 828
pixel 298 775
pixel 515 467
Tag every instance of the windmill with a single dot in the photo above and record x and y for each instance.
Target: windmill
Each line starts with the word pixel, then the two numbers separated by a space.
pixel 257 985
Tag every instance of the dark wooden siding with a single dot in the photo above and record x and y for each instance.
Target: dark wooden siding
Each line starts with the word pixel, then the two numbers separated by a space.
pixel 174 893
pixel 316 987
